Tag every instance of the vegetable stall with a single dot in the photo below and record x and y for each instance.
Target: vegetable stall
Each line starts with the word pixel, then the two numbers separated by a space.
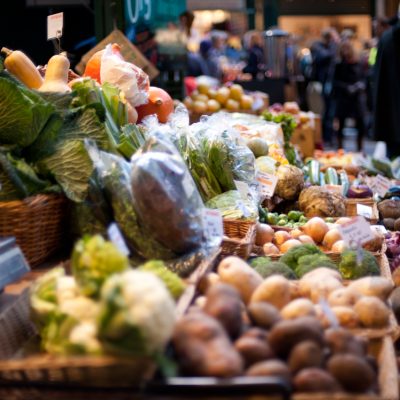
pixel 169 255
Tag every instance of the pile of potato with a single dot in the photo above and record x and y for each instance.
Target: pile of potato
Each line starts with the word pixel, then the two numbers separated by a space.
pixel 316 231
pixel 244 325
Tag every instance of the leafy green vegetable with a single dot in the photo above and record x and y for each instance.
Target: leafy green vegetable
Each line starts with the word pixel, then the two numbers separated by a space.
pixel 265 267
pixel 291 257
pixel 309 262
pixel 23 114
pixel 93 261
pixel 350 268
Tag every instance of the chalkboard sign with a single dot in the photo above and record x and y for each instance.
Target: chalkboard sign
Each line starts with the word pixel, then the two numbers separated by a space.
pixel 13 264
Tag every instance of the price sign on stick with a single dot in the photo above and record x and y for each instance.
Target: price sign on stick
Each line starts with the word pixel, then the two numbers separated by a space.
pixel 55 23
pixel 213 224
pixel 364 211
pixel 116 237
pixel 356 232
pixel 267 183
pixel 244 189
pixel 380 185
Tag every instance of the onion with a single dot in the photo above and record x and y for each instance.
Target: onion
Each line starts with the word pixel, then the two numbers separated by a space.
pixel 295 233
pixel 343 220
pixel 316 228
pixel 305 239
pixel 264 234
pixel 339 247
pixel 270 249
pixel 331 237
pixel 289 244
pixel 281 237
pixel 376 243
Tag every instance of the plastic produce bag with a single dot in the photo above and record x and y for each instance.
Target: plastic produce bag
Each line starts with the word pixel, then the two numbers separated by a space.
pixel 126 76
pixel 167 201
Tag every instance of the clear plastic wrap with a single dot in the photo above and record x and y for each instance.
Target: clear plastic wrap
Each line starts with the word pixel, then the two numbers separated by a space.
pixel 126 76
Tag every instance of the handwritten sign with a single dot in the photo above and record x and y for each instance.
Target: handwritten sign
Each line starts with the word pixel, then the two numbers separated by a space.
pixel 267 183
pixel 356 232
pixel 213 225
pixel 55 23
pixel 380 185
pixel 364 211
pixel 244 189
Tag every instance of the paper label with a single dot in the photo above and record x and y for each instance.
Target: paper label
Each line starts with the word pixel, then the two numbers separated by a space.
pixel 55 23
pixel 380 185
pixel 356 232
pixel 364 211
pixel 116 237
pixel 213 224
pixel 267 184
pixel 379 229
pixel 244 189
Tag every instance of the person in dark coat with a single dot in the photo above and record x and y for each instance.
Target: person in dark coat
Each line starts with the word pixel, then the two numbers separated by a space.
pixel 255 58
pixel 387 91
pixel 202 63
pixel 349 83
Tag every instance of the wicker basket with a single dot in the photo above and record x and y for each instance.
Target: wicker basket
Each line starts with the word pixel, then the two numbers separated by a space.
pixel 351 208
pixel 37 223
pixel 239 238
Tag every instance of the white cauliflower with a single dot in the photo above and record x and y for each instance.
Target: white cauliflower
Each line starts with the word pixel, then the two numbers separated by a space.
pixel 137 313
pixel 85 336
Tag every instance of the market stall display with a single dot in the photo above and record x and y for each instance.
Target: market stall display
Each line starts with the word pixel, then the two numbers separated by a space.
pixel 125 163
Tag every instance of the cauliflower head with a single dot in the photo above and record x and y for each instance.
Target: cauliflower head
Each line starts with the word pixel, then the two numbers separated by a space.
pixel 93 261
pixel 137 314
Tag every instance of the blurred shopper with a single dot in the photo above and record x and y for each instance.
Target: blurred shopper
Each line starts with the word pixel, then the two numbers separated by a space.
pixel 387 91
pixel 255 56
pixel 324 56
pixel 202 63
pixel 349 83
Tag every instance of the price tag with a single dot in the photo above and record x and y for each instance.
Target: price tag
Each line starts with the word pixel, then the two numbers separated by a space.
pixel 244 189
pixel 115 236
pixel 213 224
pixel 267 183
pixel 364 211
pixel 380 185
pixel 356 232
pixel 55 23
pixel 379 229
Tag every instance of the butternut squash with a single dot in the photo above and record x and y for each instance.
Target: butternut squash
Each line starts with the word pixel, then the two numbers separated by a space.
pixel 56 77
pixel 22 67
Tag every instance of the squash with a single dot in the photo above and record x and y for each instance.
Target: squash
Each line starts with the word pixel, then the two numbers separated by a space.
pixel 22 67
pixel 56 77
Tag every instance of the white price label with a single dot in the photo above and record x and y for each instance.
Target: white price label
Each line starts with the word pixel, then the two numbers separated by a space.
pixel 380 185
pixel 267 183
pixel 55 23
pixel 213 224
pixel 115 236
pixel 244 189
pixel 379 229
pixel 356 232
pixel 364 211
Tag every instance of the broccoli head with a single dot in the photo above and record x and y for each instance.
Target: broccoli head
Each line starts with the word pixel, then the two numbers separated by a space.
pixel 313 261
pixel 292 256
pixel 172 281
pixel 351 269
pixel 265 267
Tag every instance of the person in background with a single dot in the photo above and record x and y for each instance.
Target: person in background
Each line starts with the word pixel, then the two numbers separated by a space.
pixel 324 55
pixel 349 83
pixel 218 43
pixel 379 27
pixel 202 63
pixel 255 57
pixel 387 91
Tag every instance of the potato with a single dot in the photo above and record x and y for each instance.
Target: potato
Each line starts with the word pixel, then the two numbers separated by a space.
pixel 389 209
pixel 203 348
pixel 389 223
pixel 317 380
pixel 310 279
pixel 341 340
pixel 224 304
pixel 346 316
pixel 321 316
pixel 257 333
pixel 253 350
pixel 294 290
pixel 286 334
pixel 372 312
pixel 298 308
pixel 236 272
pixel 274 290
pixel 304 355
pixel 263 315
pixel 352 372
pixel 322 289
pixel 207 281
pixel 377 286
pixel 345 296
pixel 276 368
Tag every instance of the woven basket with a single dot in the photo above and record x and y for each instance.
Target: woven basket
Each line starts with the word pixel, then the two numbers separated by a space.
pixel 37 223
pixel 239 238
pixel 351 208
